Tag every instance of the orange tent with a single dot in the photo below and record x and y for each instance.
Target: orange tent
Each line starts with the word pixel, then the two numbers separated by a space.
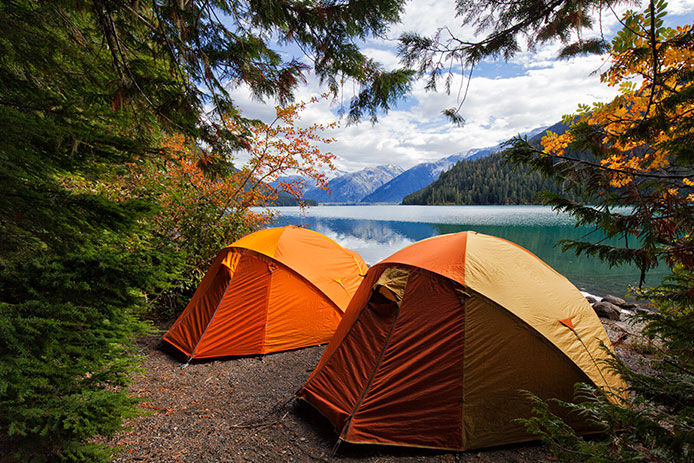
pixel 441 337
pixel 276 289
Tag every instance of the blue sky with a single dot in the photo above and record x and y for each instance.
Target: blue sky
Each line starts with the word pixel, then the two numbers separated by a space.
pixel 504 99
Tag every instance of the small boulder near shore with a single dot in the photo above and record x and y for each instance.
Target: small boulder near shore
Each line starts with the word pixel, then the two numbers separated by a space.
pixel 607 310
pixel 614 300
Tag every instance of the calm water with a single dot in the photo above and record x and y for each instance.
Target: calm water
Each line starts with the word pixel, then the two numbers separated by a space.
pixel 376 232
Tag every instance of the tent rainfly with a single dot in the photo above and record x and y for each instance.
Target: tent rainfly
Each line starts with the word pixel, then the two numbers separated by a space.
pixel 273 290
pixel 441 338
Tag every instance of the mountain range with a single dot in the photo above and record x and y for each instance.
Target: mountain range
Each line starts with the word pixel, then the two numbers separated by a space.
pixel 353 186
pixel 390 183
pixel 410 180
pixel 385 184
pixel 421 175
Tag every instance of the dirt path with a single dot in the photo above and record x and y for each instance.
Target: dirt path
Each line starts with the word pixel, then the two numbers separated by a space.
pixel 240 410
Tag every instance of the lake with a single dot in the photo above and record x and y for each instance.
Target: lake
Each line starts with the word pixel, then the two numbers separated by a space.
pixel 378 231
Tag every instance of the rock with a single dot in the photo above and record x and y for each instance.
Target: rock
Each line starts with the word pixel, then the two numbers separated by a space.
pixel 591 300
pixel 614 300
pixel 617 331
pixel 640 308
pixel 607 310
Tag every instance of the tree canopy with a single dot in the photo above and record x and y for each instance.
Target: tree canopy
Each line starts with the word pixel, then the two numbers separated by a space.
pixel 640 190
pixel 88 91
pixel 499 29
pixel 642 141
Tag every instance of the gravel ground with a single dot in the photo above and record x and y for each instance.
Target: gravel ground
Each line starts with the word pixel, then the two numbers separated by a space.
pixel 242 409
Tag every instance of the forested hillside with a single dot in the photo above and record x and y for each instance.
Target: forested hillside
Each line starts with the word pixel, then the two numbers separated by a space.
pixel 285 199
pixel 487 180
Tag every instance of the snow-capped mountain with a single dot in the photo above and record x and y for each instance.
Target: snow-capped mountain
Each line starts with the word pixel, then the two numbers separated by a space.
pixel 353 186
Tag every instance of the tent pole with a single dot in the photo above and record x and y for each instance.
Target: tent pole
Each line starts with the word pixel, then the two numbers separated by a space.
pixel 209 322
pixel 345 429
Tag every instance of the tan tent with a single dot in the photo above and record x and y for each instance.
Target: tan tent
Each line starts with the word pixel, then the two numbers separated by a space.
pixel 276 289
pixel 440 338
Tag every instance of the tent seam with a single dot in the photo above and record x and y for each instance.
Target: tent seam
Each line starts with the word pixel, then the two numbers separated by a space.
pixel 192 352
pixel 341 341
pixel 468 235
pixel 191 306
pixel 345 428
pixel 267 309
pixel 334 304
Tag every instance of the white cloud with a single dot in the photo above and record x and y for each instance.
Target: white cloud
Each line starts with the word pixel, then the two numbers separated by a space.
pixel 387 57
pixel 680 6
pixel 538 92
pixel 425 17
pixel 495 110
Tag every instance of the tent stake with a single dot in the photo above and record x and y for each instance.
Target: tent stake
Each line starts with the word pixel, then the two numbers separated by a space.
pixel 335 447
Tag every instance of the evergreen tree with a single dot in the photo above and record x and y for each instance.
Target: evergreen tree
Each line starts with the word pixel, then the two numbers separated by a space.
pixel 86 87
pixel 488 180
pixel 640 189
pixel 74 266
pixel 642 147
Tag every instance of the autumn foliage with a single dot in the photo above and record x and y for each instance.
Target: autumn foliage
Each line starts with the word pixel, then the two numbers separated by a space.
pixel 283 147
pixel 641 142
pixel 632 144
pixel 205 202
pixel 631 160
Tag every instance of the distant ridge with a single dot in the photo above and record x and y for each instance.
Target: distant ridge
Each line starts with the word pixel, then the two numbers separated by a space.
pixel 422 175
pixel 489 180
pixel 390 184
pixel 411 180
pixel 352 187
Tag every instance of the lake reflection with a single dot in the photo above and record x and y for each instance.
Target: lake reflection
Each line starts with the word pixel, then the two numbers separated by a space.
pixel 376 232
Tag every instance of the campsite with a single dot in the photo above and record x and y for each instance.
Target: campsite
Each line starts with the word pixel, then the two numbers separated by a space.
pixel 238 410
pixel 260 418
pixel 347 230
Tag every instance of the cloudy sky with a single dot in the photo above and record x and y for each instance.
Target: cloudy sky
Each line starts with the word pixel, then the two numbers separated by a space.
pixel 504 99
